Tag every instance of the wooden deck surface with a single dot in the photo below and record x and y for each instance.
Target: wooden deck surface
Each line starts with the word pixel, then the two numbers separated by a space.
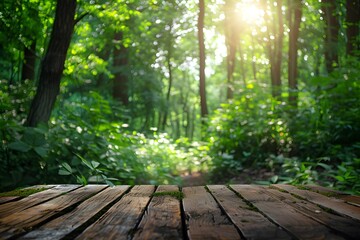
pixel 204 212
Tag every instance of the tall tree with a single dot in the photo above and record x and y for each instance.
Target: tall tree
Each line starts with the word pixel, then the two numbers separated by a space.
pixel 28 68
pixel 275 46
pixel 294 13
pixel 203 104
pixel 170 72
pixel 231 41
pixel 353 26
pixel 120 88
pixel 332 27
pixel 53 63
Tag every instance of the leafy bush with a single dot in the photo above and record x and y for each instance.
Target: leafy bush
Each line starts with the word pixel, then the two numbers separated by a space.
pixel 316 142
pixel 82 144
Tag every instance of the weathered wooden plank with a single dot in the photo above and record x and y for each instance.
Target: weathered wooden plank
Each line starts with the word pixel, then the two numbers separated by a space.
pixel 284 215
pixel 337 205
pixel 162 219
pixel 66 224
pixel 20 222
pixel 246 219
pixel 347 226
pixel 323 190
pixel 121 219
pixel 34 199
pixel 8 199
pixel 353 200
pixel 204 218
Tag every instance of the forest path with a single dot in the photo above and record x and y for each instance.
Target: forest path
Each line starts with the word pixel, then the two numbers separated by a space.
pixel 247 176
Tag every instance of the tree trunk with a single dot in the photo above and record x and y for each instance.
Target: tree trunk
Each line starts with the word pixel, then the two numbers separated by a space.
pixel 203 104
pixel 253 57
pixel 294 20
pixel 167 107
pixel 275 49
pixel 278 50
pixel 353 25
pixel 120 88
pixel 28 68
pixel 231 41
pixel 53 63
pixel 332 27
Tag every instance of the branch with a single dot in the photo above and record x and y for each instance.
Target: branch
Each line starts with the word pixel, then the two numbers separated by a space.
pixel 80 17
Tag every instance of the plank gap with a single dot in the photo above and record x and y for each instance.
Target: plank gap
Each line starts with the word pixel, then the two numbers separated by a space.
pixel 94 218
pixel 183 218
pixel 225 213
pixel 133 230
pixel 252 207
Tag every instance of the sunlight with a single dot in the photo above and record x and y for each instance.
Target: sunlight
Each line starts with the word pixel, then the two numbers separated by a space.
pixel 250 12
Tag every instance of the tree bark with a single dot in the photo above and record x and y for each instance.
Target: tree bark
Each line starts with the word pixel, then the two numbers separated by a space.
pixel 28 68
pixel 203 104
pixel 353 25
pixel 275 46
pixel 120 88
pixel 231 41
pixel 53 63
pixel 332 27
pixel 167 107
pixel 295 13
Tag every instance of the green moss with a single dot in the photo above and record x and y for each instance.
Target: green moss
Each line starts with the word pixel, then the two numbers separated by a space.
pixel 23 192
pixel 176 194
pixel 302 187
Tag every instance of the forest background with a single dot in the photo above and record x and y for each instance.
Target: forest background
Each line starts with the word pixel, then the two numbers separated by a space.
pixel 147 91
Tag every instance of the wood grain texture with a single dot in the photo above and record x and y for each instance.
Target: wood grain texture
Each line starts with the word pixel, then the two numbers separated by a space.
pixel 69 222
pixel 353 200
pixel 162 219
pixel 121 219
pixel 284 215
pixel 23 221
pixel 348 227
pixel 204 218
pixel 34 199
pixel 245 218
pixel 337 205
pixel 8 199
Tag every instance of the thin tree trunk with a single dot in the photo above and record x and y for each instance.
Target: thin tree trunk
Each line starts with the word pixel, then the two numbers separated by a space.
pixel 168 63
pixel 231 40
pixel 274 46
pixel 120 89
pixel 203 104
pixel 253 57
pixel 278 49
pixel 295 20
pixel 332 27
pixel 242 65
pixel 53 63
pixel 352 30
pixel 28 67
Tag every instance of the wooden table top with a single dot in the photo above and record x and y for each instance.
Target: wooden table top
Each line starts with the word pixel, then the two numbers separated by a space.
pixel 205 212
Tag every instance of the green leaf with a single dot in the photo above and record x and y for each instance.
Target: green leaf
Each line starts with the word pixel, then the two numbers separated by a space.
pixel 19 146
pixel 89 165
pixel 63 172
pixel 66 167
pixel 81 179
pixel 95 164
pixel 41 151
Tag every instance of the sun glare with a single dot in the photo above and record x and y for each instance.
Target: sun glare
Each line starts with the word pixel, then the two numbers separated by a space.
pixel 250 12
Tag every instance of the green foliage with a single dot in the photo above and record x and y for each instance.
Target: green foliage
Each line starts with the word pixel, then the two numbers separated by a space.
pixel 82 144
pixel 316 142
